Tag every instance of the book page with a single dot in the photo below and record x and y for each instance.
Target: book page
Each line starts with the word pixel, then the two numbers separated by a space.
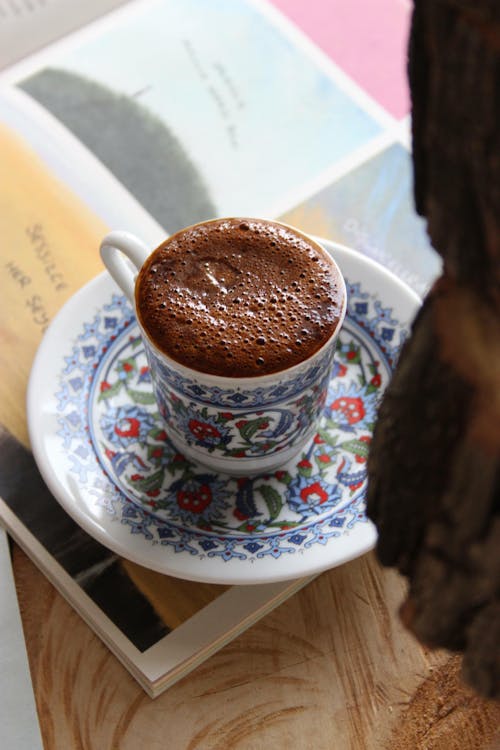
pixel 50 248
pixel 37 273
pixel 172 101
pixel 230 109
pixel 28 25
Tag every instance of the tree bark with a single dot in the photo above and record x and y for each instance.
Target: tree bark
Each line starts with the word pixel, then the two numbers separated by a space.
pixel 434 465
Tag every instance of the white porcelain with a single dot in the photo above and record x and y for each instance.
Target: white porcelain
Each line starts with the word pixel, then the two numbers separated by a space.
pixel 239 426
pixel 100 444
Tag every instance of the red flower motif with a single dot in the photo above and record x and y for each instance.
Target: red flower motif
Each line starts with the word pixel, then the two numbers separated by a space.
pixel 127 366
pixel 131 431
pixel 316 490
pixel 203 430
pixel 376 380
pixel 239 515
pixel 227 415
pixel 280 474
pixel 351 408
pixel 305 464
pixel 161 435
pixel 136 477
pixel 109 453
pixel 364 439
pixel 144 369
pixel 341 371
pixel 157 453
pixel 195 501
pixel 241 423
pixel 324 458
pixel 351 354
pixel 153 493
pixel 105 386
pixel 318 440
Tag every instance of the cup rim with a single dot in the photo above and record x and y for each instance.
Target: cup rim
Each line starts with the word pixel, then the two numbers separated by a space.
pixel 232 380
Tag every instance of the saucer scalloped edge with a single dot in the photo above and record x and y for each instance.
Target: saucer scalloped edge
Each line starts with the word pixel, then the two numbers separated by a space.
pixel 102 448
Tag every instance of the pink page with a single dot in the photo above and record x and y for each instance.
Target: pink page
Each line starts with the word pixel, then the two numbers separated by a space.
pixel 367 39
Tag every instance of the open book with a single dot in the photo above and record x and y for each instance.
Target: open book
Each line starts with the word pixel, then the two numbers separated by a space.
pixel 149 118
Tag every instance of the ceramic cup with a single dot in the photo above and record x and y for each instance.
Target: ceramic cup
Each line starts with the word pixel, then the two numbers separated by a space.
pixel 234 425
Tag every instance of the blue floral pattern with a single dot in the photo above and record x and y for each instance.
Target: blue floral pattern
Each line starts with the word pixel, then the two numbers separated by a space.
pixel 256 398
pixel 140 479
pixel 243 422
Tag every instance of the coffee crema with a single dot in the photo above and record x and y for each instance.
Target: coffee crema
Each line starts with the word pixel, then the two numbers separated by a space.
pixel 239 297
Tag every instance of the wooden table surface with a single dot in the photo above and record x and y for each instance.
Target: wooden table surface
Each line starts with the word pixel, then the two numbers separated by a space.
pixel 332 667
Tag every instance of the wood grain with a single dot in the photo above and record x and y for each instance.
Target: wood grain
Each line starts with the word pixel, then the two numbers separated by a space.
pixel 330 668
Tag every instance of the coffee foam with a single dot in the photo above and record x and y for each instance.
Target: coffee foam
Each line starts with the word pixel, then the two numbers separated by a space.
pixel 239 297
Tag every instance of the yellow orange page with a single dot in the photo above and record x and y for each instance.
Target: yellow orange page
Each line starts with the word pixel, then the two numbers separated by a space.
pixel 49 245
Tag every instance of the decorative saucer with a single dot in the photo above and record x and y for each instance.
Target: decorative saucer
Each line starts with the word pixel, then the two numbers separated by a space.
pixel 101 446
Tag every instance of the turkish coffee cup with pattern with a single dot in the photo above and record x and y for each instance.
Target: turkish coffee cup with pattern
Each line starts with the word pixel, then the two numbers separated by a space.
pixel 235 425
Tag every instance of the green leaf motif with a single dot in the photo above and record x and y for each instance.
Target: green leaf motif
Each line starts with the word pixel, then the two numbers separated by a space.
pixel 358 447
pixel 178 406
pixel 250 428
pixel 141 397
pixel 284 524
pixel 111 391
pixel 155 452
pixel 327 437
pixel 179 465
pixel 272 499
pixel 284 477
pixel 157 433
pixel 146 484
pixel 353 354
pixel 235 452
pixel 131 368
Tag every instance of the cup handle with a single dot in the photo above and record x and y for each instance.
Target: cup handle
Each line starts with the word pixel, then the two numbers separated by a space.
pixel 115 249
